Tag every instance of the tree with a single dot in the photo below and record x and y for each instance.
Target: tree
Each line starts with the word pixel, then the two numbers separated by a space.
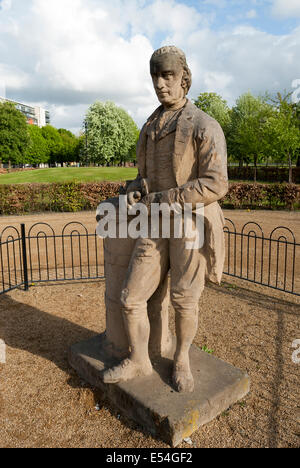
pixel 132 150
pixel 37 151
pixel 14 137
pixel 248 129
pixel 70 147
pixel 111 133
pixel 284 131
pixel 216 107
pixel 54 143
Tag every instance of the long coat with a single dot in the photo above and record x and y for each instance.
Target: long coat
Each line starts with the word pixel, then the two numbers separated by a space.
pixel 200 141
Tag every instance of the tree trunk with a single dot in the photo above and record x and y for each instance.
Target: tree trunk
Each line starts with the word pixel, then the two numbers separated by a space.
pixel 290 170
pixel 255 169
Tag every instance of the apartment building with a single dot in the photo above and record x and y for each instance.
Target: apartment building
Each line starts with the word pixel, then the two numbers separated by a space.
pixel 34 115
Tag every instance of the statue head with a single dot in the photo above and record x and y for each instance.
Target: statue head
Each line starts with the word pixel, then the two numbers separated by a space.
pixel 170 74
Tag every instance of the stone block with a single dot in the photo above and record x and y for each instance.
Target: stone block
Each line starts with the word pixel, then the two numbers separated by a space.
pixel 152 402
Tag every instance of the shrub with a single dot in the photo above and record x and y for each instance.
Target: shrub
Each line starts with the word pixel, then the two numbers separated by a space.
pixel 272 196
pixel 63 197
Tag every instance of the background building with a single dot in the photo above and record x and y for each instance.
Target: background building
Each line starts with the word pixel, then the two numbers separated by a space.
pixel 35 115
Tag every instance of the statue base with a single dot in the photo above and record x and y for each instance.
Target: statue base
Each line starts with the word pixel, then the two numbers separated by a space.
pixel 152 402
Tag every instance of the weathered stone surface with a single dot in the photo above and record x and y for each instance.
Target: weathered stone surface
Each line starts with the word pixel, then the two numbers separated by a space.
pixel 182 160
pixel 117 254
pixel 152 402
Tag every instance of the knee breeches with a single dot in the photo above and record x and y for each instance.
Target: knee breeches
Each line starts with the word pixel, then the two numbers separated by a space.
pixel 150 262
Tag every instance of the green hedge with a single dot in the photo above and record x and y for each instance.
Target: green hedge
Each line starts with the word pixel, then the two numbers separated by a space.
pixel 59 197
pixel 66 197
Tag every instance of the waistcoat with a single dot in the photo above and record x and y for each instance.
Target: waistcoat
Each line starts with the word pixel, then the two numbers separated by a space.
pixel 160 153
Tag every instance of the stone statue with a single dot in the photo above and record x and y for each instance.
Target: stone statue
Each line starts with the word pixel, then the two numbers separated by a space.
pixel 182 159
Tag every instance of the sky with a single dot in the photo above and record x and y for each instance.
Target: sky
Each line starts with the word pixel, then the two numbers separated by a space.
pixel 66 54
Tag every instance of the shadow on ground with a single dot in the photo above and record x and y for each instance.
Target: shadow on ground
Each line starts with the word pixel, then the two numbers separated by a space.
pixel 27 328
pixel 282 308
pixel 39 333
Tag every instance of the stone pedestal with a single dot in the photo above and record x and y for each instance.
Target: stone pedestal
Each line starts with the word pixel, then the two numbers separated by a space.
pixel 152 402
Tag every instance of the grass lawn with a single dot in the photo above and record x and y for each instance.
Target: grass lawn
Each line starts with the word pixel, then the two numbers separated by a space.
pixel 70 174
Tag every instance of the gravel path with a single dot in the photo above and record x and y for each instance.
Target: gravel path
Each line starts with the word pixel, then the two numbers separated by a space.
pixel 44 404
pixel 267 219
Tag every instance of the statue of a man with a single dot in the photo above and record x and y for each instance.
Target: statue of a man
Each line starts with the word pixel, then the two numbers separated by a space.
pixel 182 158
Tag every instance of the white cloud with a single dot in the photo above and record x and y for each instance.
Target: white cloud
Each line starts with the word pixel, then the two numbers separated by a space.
pixel 234 61
pixel 286 8
pixel 217 3
pixel 78 50
pixel 13 76
pixel 66 54
pixel 251 14
pixel 164 16
pixel 74 52
pixel 5 4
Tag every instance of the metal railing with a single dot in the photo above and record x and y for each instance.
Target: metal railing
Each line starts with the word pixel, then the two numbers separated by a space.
pixel 41 255
pixel 271 261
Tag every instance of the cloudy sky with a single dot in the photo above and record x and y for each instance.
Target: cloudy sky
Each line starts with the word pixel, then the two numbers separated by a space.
pixel 65 54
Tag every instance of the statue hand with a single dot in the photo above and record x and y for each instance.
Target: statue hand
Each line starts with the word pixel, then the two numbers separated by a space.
pixel 133 197
pixel 136 189
pixel 155 197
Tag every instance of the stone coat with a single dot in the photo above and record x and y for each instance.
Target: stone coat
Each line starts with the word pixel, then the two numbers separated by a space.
pixel 200 169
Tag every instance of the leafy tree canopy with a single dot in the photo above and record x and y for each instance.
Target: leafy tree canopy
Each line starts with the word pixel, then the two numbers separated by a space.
pixel 54 142
pixel 248 128
pixel 111 133
pixel 37 152
pixel 215 106
pixel 70 146
pixel 284 131
pixel 14 137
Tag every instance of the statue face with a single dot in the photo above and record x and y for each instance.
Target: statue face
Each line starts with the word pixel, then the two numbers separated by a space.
pixel 167 72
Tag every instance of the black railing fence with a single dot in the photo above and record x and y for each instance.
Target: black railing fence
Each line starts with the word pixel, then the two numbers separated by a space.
pixel 41 255
pixel 271 261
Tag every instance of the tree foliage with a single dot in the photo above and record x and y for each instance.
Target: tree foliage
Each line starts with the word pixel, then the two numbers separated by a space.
pixel 111 133
pixel 21 143
pixel 70 147
pixel 215 106
pixel 49 145
pixel 54 143
pixel 14 137
pixel 258 130
pixel 37 151
pixel 247 135
pixel 284 131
